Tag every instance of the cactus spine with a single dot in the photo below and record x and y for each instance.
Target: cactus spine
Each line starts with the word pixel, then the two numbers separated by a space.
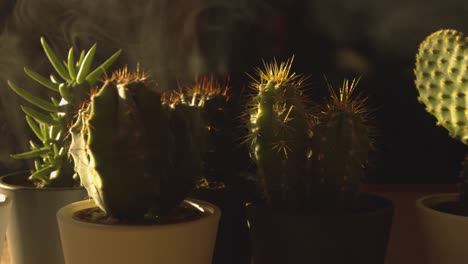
pixel 134 151
pixel 340 147
pixel 442 82
pixel 279 132
pixel 52 166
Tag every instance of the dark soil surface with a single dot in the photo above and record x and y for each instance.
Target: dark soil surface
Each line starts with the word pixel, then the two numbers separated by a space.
pixel 455 208
pixel 182 213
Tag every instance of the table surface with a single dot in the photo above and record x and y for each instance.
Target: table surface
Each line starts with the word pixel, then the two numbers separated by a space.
pixel 404 245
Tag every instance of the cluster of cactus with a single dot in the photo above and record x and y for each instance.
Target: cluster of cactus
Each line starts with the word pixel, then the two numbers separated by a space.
pixel 135 150
pixel 52 168
pixel 299 152
pixel 221 113
pixel 442 82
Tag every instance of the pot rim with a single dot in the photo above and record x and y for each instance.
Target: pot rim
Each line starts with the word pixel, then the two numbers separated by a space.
pixel 422 205
pixel 389 207
pixel 65 213
pixel 13 187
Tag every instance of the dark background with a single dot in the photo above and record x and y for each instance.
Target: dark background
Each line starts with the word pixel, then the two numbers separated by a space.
pixel 175 40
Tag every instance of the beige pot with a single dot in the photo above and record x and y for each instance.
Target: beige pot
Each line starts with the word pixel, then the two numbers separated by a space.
pixel 5 210
pixel 445 236
pixel 191 242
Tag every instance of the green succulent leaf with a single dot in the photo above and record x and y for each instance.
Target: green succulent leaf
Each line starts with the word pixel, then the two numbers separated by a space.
pixel 71 64
pixel 42 80
pixel 65 92
pixel 80 60
pixel 35 128
pixel 43 174
pixel 94 75
pixel 31 154
pixel 58 66
pixel 40 117
pixel 32 98
pixel 85 65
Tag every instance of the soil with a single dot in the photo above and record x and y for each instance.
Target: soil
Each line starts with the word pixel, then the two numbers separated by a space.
pixel 455 208
pixel 182 213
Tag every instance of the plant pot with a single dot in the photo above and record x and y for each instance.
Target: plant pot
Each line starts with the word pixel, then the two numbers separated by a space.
pixel 32 232
pixel 445 235
pixel 180 243
pixel 232 241
pixel 5 210
pixel 361 237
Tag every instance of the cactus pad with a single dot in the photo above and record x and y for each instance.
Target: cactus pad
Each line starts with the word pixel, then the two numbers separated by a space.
pixel 442 80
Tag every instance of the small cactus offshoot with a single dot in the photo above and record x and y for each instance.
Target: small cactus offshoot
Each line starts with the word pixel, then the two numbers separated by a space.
pixel 441 73
pixel 51 121
pixel 135 151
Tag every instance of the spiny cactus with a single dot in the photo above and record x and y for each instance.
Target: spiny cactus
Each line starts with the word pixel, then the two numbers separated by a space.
pixel 442 82
pixel 223 128
pixel 340 147
pixel 134 151
pixel 279 133
pixel 52 166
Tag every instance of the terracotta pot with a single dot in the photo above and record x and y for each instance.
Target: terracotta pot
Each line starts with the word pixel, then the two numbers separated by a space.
pixel 190 242
pixel 445 235
pixel 32 232
pixel 361 237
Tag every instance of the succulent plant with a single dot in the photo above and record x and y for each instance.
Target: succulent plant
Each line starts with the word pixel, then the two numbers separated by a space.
pixel 279 134
pixel 50 124
pixel 135 151
pixel 307 161
pixel 340 145
pixel 442 82
pixel 222 158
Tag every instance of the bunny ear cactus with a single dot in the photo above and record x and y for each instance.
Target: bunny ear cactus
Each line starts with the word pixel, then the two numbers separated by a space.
pixel 442 82
pixel 50 123
pixel 279 134
pixel 134 151
pixel 340 147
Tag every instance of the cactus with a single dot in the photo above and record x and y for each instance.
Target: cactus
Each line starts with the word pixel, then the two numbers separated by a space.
pixel 340 147
pixel 222 156
pixel 135 151
pixel 279 133
pixel 52 166
pixel 442 82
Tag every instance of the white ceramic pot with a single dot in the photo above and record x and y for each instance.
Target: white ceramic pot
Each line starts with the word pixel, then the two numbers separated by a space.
pixel 445 236
pixel 190 242
pixel 5 210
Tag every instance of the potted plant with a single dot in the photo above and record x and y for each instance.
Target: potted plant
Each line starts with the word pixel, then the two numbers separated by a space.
pixel 5 210
pixel 224 161
pixel 309 170
pixel 442 82
pixel 51 184
pixel 138 154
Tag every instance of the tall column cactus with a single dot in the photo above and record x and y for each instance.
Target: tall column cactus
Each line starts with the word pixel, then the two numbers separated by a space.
pixel 134 151
pixel 340 147
pixel 50 123
pixel 279 134
pixel 442 82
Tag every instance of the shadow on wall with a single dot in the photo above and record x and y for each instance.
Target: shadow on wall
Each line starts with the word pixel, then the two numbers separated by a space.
pixel 174 40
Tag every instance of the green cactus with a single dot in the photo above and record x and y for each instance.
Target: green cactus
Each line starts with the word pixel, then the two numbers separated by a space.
pixel 340 147
pixel 134 151
pixel 222 158
pixel 52 166
pixel 279 132
pixel 442 82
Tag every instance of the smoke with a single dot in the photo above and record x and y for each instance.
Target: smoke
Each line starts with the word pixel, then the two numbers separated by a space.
pixel 173 40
